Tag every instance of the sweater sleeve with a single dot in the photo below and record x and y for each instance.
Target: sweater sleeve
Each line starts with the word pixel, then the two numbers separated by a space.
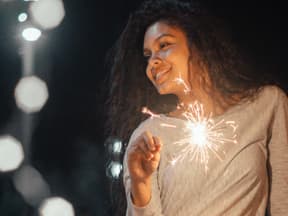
pixel 153 208
pixel 278 158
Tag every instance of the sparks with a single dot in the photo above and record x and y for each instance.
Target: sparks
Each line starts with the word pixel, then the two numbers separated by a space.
pixel 203 137
pixel 145 110
pixel 180 81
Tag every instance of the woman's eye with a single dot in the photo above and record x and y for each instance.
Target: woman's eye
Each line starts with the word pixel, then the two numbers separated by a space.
pixel 163 45
pixel 146 57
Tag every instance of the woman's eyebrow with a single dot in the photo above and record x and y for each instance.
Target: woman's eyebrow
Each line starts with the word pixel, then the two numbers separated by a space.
pixel 164 35
pixel 159 37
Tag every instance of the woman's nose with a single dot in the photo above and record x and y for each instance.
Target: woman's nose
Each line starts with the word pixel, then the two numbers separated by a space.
pixel 154 61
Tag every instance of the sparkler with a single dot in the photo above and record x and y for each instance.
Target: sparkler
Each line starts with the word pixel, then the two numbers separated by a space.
pixel 203 137
pixel 180 81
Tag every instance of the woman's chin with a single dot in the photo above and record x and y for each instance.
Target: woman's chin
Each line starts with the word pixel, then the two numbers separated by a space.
pixel 163 90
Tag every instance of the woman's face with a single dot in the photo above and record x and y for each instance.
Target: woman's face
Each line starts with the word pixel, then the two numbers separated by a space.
pixel 166 49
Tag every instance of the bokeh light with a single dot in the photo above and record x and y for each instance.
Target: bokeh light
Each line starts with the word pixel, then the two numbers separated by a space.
pixel 117 146
pixel 31 94
pixel 11 153
pixel 47 13
pixel 114 169
pixel 56 206
pixel 114 146
pixel 22 17
pixel 30 184
pixel 31 34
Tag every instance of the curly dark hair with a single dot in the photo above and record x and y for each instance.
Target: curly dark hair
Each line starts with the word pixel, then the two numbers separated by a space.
pixel 229 72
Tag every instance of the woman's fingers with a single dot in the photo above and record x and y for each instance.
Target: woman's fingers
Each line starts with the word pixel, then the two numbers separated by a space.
pixel 144 149
pixel 157 143
pixel 147 145
pixel 149 140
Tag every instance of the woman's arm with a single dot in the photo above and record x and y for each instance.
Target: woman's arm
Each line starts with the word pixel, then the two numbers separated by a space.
pixel 278 158
pixel 141 161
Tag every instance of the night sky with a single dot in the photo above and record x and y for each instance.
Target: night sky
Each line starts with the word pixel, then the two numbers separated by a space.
pixel 67 141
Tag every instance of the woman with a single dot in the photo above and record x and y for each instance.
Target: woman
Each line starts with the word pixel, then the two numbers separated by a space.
pixel 193 67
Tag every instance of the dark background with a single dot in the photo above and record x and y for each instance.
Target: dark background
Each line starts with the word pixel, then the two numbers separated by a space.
pixel 67 144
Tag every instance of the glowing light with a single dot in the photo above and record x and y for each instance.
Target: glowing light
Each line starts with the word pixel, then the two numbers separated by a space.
pixel 145 110
pixel 11 153
pixel 31 94
pixel 114 169
pixel 180 81
pixel 31 34
pixel 29 182
pixel 117 146
pixel 56 206
pixel 203 136
pixel 198 133
pixel 48 13
pixel 22 17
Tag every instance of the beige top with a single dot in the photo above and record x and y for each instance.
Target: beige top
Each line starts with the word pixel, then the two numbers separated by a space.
pixel 234 179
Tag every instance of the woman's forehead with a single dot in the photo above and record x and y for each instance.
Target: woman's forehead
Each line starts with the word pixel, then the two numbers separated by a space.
pixel 158 29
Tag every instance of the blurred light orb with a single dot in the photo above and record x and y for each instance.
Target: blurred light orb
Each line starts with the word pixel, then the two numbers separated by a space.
pixel 117 146
pixel 56 206
pixel 48 13
pixel 22 17
pixel 11 153
pixel 30 184
pixel 31 34
pixel 114 169
pixel 31 94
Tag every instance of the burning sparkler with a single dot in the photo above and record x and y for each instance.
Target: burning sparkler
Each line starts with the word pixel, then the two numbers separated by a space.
pixel 180 81
pixel 203 136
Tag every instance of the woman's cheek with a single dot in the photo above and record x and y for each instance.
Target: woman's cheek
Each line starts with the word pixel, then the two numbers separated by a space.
pixel 149 74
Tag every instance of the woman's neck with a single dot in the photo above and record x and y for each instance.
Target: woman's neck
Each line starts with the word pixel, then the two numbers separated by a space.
pixel 210 106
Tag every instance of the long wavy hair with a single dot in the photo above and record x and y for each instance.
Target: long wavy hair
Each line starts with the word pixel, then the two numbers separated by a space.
pixel 130 89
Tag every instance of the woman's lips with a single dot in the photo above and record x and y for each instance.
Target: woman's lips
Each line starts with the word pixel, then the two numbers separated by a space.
pixel 160 76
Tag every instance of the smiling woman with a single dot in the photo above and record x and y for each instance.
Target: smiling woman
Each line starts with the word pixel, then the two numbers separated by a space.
pixel 168 54
pixel 180 61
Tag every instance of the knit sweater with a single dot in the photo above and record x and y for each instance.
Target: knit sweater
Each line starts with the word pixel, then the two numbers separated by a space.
pixel 244 175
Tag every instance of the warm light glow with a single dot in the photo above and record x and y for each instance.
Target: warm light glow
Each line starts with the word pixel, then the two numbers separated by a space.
pixel 30 184
pixel 48 13
pixel 31 34
pixel 203 137
pixel 11 153
pixel 198 132
pixel 31 94
pixel 22 17
pixel 56 206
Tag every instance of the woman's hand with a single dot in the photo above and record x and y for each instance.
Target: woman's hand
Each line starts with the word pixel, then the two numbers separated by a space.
pixel 143 156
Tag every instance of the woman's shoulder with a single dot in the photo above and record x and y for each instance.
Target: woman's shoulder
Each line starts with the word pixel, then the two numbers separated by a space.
pixel 272 94
pixel 273 89
pixel 264 101
pixel 147 125
pixel 268 99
